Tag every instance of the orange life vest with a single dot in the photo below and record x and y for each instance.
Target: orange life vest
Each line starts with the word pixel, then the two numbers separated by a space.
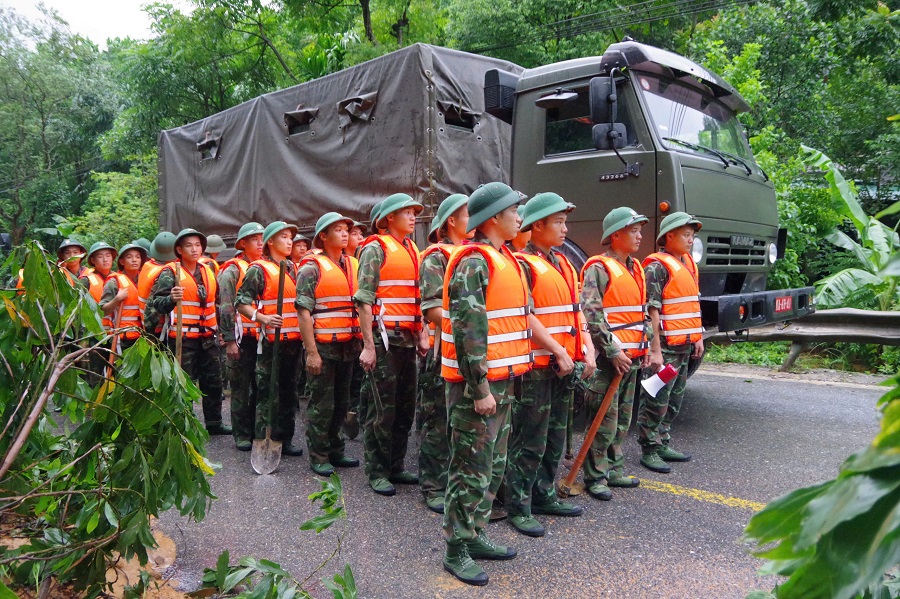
pixel 95 288
pixel 446 249
pixel 198 318
pixel 268 304
pixel 397 297
pixel 210 262
pixel 624 304
pixel 73 279
pixel 95 283
pixel 506 302
pixel 131 315
pixel 146 279
pixel 20 282
pixel 555 295
pixel 335 319
pixel 679 319
pixel 247 326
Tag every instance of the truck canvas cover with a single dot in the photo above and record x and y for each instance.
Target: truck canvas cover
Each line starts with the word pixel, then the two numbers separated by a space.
pixel 411 121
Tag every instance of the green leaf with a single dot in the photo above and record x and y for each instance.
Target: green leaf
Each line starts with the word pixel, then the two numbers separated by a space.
pixel 837 289
pixel 222 571
pixel 892 268
pixel 234 578
pixel 783 516
pixel 842 240
pixel 890 210
pixel 6 593
pixel 843 196
pixel 110 515
pixel 93 522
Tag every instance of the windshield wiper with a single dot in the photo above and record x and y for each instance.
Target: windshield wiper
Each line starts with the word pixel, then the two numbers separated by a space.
pixel 737 159
pixel 700 148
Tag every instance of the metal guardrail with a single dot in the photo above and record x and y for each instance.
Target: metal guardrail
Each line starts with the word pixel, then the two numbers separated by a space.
pixel 826 326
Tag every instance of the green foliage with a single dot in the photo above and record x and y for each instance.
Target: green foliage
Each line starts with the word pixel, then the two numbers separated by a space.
pixel 760 354
pixel 836 540
pixel 122 207
pixel 865 285
pixel 251 578
pixel 85 483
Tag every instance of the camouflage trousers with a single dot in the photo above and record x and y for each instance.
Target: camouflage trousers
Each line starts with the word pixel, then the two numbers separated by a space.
pixel 284 394
pixel 200 360
pixel 606 454
pixel 656 414
pixel 434 449
pixel 242 376
pixel 478 447
pixel 388 421
pixel 537 441
pixel 357 404
pixel 329 396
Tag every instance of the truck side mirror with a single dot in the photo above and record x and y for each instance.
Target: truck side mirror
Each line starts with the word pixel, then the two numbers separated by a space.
pixel 607 133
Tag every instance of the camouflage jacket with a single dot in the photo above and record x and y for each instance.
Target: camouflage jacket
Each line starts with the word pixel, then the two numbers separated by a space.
pixel 596 280
pixel 466 288
pixel 657 277
pixel 227 283
pixel 371 258
pixel 307 281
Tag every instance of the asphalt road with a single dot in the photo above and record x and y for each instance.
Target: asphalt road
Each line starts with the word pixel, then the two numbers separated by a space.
pixel 677 535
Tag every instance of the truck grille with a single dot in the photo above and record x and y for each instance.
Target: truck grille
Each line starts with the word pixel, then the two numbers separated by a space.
pixel 720 251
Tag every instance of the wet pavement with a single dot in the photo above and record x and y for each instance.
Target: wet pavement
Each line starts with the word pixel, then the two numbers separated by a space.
pixel 753 438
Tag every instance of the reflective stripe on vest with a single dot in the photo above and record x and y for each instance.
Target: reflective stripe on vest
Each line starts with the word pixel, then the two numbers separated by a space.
pixel 246 326
pixel 508 344
pixel 130 315
pixel 268 304
pixel 397 296
pixel 445 249
pixel 680 321
pixel 146 279
pixel 624 304
pixel 198 318
pixel 335 319
pixel 555 295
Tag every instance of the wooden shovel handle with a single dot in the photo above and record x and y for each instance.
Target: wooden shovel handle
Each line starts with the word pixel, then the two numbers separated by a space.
pixel 592 432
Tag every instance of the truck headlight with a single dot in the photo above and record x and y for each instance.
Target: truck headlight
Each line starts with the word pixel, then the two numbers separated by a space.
pixel 773 253
pixel 697 249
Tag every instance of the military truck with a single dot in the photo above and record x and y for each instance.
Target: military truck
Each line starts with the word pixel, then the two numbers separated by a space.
pixel 637 126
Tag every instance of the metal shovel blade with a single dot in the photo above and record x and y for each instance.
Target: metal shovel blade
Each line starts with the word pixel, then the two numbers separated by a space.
pixel 265 454
pixel 564 490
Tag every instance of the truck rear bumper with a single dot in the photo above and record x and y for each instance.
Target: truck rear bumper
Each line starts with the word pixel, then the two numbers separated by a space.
pixel 747 310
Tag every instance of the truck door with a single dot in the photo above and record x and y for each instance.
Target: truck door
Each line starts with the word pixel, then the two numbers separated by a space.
pixel 553 151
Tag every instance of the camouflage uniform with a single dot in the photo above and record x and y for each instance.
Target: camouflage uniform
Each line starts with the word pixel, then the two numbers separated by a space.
pixel 329 391
pixel 605 456
pixel 433 440
pixel 241 372
pixel 656 414
pixel 199 357
pixel 388 422
pixel 538 437
pixel 478 443
pixel 285 392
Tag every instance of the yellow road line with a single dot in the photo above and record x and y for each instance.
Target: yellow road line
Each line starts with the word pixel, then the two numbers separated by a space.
pixel 701 495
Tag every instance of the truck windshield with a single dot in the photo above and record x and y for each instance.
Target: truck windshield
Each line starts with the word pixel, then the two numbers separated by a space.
pixel 683 110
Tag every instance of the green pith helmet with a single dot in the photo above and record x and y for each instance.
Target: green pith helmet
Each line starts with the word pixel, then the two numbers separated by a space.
pixel 490 200
pixel 246 231
pixel 520 211
pixel 393 203
pixel 215 245
pixel 447 208
pixel 68 243
pixel 674 221
pixel 358 225
pixel 301 237
pixel 618 219
pixel 375 214
pixel 541 206
pixel 325 221
pixel 143 242
pixel 100 245
pixel 275 228
pixel 163 247
pixel 187 233
pixel 132 246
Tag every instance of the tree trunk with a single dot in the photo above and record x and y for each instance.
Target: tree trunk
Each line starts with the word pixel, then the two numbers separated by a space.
pixel 367 19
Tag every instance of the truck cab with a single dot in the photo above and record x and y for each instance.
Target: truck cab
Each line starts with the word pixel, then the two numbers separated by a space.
pixel 648 129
